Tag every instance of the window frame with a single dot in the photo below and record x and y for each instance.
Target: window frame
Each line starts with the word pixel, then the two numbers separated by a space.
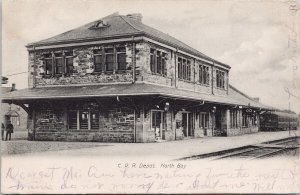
pixel 102 66
pixel 220 79
pixel 158 62
pixel 89 119
pixel 204 74
pixel 53 57
pixel 106 54
pixel 184 68
pixel 204 120
pixel 56 58
pixel 50 58
pixel 118 53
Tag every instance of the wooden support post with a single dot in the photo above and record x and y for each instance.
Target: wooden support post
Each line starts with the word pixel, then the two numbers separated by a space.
pixel 133 62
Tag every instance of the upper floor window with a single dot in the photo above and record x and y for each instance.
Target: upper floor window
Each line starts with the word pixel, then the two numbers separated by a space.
pixel 220 79
pixel 48 64
pixel 69 62
pixel 158 61
pixel 105 59
pixel 121 58
pixel 98 60
pixel 184 69
pixel 58 63
pixel 109 59
pixel 204 74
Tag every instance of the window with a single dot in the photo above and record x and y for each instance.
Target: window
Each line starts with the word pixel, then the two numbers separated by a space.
pixel 220 77
pixel 184 69
pixel 69 62
pixel 58 63
pixel 233 119
pixel 109 59
pixel 203 120
pixel 48 64
pixel 94 120
pixel 158 61
pixel 121 58
pixel 98 60
pixel 15 120
pixel 83 119
pixel 204 74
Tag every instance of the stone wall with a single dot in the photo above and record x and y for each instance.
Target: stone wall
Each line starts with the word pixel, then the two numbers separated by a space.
pixel 83 62
pixel 116 125
pixel 84 69
pixel 149 135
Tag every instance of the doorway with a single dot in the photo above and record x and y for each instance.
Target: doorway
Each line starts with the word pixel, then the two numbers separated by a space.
pixel 158 124
pixel 187 124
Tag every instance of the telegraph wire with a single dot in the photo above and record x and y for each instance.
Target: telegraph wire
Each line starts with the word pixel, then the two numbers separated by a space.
pixel 15 74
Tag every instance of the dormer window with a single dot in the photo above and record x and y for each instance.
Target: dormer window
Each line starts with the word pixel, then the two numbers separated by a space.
pixel 99 24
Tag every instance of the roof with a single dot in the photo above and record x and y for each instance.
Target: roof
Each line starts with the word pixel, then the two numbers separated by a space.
pixel 12 113
pixel 139 89
pixel 118 26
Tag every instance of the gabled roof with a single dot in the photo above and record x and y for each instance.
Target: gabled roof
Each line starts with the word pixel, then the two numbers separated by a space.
pixel 119 26
pixel 139 89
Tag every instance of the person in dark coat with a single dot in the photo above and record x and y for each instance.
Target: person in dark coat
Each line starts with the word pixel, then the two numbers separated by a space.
pixel 2 131
pixel 9 131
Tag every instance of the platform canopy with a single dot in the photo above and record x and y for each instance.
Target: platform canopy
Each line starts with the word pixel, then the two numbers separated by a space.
pixel 234 97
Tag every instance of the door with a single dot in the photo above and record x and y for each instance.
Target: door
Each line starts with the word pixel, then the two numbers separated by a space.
pixel 157 124
pixel 187 124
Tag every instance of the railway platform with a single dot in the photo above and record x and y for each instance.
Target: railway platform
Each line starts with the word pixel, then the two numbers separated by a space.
pixel 163 150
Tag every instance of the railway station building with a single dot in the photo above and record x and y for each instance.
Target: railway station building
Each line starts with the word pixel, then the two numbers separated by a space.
pixel 119 80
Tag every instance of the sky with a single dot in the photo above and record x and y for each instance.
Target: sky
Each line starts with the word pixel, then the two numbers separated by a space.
pixel 260 40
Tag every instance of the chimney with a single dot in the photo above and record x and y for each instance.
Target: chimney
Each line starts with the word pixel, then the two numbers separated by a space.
pixel 256 99
pixel 13 87
pixel 136 16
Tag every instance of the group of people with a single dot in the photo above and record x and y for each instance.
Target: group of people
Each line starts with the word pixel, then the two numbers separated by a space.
pixel 9 128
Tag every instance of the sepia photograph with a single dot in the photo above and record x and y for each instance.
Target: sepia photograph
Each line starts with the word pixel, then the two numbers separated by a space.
pixel 150 97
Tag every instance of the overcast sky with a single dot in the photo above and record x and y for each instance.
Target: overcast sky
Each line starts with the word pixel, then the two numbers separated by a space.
pixel 251 36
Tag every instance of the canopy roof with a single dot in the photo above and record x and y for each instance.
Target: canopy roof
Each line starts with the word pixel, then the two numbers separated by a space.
pixel 234 97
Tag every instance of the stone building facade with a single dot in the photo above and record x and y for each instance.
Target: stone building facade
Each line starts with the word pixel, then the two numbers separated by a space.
pixel 118 80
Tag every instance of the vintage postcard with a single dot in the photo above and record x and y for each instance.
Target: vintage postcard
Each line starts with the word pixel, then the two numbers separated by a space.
pixel 155 97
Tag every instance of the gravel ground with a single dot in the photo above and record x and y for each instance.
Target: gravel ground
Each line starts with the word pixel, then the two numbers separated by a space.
pixel 24 146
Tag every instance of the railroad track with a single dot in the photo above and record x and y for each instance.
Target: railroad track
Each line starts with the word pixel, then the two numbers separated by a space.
pixel 252 152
